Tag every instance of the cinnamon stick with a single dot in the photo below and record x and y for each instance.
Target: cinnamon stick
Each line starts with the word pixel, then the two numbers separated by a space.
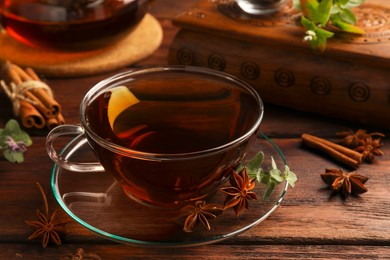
pixel 52 123
pixel 53 106
pixel 38 104
pixel 340 153
pixel 33 103
pixel 30 117
pixel 60 119
pixel 55 121
pixel 44 103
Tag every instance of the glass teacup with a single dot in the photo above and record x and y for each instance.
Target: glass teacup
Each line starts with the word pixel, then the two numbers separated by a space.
pixel 168 135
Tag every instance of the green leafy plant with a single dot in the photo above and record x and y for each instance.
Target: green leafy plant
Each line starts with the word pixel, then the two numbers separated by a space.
pixel 240 192
pixel 272 177
pixel 14 141
pixel 322 18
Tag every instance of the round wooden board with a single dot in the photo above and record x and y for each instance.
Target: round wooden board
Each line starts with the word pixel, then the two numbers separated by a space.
pixel 137 45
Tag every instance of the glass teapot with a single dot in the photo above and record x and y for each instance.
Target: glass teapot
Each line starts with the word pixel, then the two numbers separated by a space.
pixel 70 23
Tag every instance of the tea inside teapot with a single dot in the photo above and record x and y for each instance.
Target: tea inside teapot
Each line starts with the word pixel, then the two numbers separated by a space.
pixel 70 23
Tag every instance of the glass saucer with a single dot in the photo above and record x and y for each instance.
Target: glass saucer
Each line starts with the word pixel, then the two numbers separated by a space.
pixel 97 202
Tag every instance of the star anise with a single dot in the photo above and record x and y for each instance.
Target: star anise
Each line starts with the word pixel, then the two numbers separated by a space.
pixel 346 183
pixel 199 213
pixel 367 144
pixel 369 148
pixel 351 139
pixel 82 255
pixel 240 191
pixel 47 228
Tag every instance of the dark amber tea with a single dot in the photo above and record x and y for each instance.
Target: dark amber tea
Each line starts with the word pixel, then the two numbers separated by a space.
pixel 70 23
pixel 178 135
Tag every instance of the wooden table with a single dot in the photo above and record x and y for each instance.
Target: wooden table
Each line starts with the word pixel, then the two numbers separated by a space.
pixel 309 223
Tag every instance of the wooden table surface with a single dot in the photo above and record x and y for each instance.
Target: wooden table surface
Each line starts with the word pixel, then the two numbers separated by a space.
pixel 309 224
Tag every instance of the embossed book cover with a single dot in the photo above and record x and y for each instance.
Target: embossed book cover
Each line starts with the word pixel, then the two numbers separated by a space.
pixel 349 80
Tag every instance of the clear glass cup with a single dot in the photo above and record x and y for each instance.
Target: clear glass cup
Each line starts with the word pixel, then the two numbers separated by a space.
pixel 188 129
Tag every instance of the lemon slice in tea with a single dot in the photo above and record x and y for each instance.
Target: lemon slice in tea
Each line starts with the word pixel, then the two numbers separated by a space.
pixel 121 98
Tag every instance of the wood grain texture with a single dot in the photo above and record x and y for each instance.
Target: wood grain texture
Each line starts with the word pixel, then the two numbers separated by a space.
pixel 310 224
pixel 217 252
pixel 347 81
pixel 282 30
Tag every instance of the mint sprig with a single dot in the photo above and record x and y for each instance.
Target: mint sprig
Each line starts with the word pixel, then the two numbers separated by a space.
pixel 321 17
pixel 14 142
pixel 270 178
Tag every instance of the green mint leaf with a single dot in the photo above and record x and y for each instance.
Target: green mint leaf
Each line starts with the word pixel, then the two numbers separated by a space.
pixel 251 174
pixel 342 2
pixel 253 166
pixel 323 12
pixel 264 177
pixel 11 127
pixel 320 42
pixel 353 3
pixel 273 163
pixel 290 177
pixel 255 163
pixel 346 27
pixel 268 190
pixel 17 133
pixel 319 13
pixel 24 137
pixel 347 16
pixel 334 10
pixel 309 9
pixel 277 175
pixel 309 25
pixel 324 33
pixel 13 141
pixel 270 178
pixel 259 175
pixel 14 157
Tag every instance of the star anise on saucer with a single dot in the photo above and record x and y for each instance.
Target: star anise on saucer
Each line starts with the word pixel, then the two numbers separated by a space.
pixel 47 227
pixel 240 191
pixel 199 213
pixel 346 183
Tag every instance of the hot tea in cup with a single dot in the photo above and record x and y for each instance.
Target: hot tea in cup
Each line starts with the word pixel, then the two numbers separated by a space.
pixel 168 135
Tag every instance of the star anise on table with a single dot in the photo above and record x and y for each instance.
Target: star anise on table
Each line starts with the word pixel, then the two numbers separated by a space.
pixel 369 148
pixel 346 183
pixel 351 139
pixel 47 227
pixel 367 144
pixel 82 255
pixel 199 213
pixel 240 191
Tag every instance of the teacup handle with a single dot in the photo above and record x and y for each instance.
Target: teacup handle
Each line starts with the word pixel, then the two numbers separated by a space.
pixel 62 158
